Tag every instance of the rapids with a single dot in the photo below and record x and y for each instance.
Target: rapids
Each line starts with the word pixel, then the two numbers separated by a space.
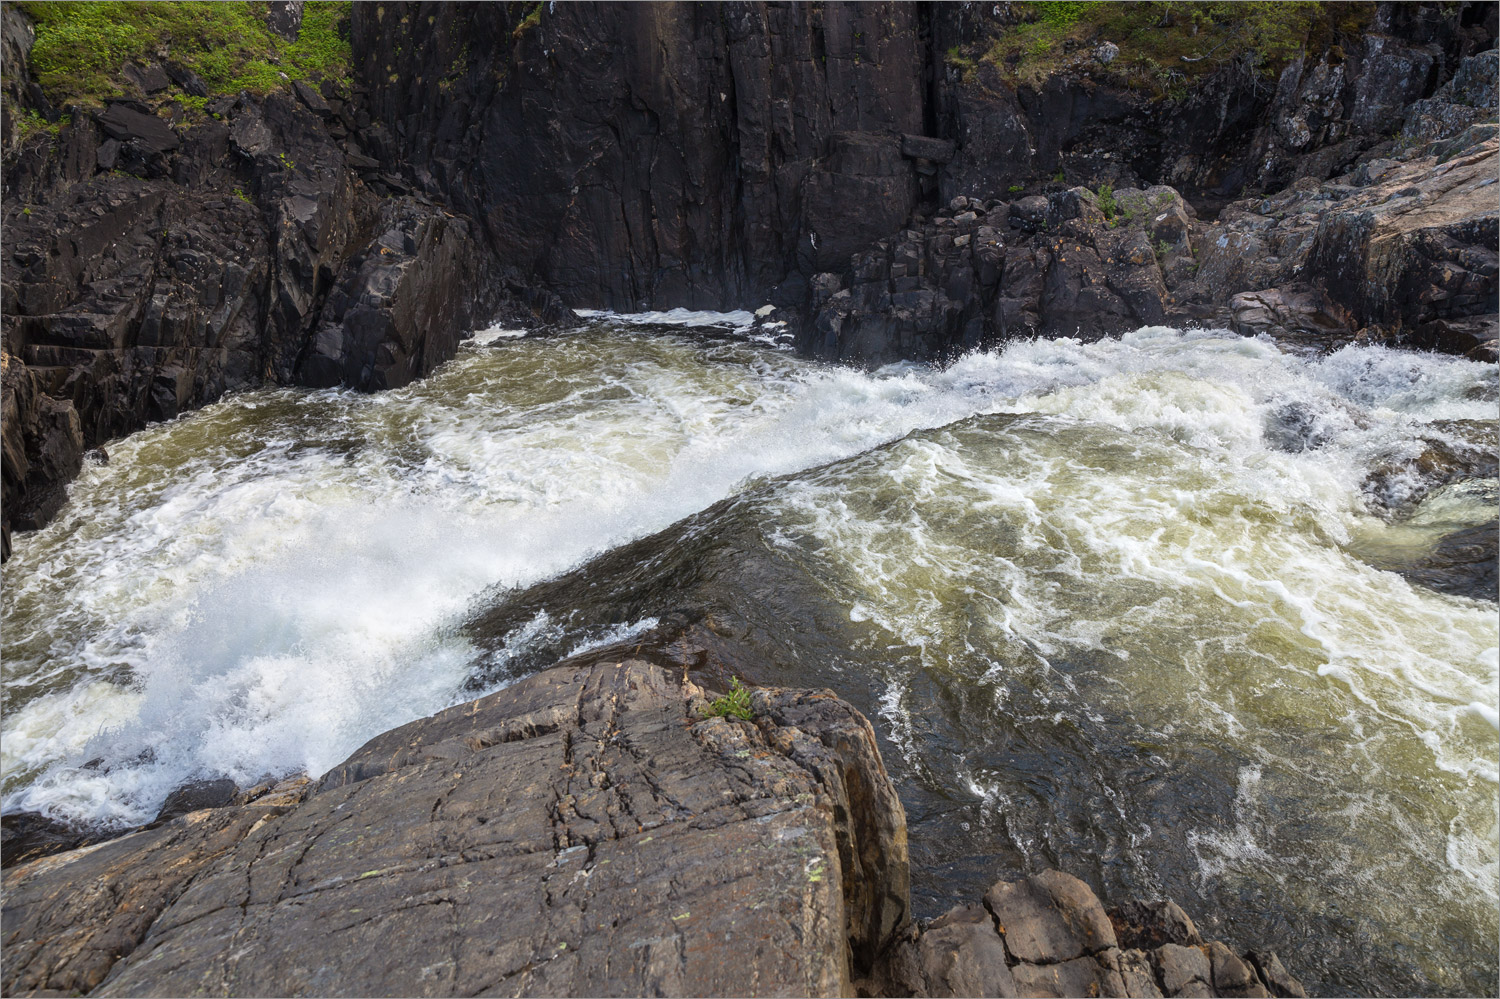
pixel 1125 607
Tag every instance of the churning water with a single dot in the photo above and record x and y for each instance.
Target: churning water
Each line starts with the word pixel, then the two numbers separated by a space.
pixel 1124 607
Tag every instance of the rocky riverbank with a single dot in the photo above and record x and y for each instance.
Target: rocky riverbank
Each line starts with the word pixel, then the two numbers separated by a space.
pixel 594 829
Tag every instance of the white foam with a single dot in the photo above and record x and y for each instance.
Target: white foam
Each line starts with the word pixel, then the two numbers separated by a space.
pixel 284 574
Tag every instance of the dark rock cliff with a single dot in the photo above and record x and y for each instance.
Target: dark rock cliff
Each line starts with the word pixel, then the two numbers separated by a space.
pixel 657 155
pixel 153 262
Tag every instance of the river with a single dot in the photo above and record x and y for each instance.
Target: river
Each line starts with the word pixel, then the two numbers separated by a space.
pixel 1124 607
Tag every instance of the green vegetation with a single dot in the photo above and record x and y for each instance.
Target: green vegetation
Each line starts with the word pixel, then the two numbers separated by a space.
pixel 30 123
pixel 531 20
pixel 1164 45
pixel 81 47
pixel 1105 198
pixel 735 704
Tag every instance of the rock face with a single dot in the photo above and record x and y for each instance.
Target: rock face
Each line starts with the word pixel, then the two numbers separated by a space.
pixel 674 154
pixel 1401 250
pixel 632 156
pixel 152 264
pixel 594 829
pixel 587 831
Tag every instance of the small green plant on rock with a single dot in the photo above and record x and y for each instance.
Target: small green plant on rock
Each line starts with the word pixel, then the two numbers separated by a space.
pixel 1106 200
pixel 735 704
pixel 1016 189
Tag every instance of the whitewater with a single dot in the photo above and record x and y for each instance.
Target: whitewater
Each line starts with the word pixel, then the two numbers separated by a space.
pixel 1173 546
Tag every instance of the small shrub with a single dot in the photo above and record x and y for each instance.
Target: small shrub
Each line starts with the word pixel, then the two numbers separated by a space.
pixel 1106 201
pixel 30 123
pixel 1016 188
pixel 735 704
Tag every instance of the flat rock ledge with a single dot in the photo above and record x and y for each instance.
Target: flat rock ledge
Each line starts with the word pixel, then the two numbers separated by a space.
pixel 589 830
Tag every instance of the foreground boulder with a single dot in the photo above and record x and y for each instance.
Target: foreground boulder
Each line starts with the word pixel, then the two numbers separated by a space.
pixel 587 831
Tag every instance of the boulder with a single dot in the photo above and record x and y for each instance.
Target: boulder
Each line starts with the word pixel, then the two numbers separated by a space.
pixel 132 126
pixel 1049 918
pixel 590 830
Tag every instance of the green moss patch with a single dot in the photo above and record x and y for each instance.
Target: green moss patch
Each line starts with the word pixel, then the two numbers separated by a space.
pixel 81 48
pixel 1163 46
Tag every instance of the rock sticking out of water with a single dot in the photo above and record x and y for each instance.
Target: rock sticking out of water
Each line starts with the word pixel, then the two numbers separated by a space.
pixel 595 829
pixel 1048 935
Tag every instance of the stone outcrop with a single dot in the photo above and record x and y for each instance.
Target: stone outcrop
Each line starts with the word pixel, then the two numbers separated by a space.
pixel 594 829
pixel 1399 250
pixel 591 830
pixel 672 154
pixel 1048 935
pixel 632 156
pixel 153 263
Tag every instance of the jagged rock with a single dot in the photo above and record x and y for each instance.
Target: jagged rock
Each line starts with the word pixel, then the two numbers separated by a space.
pixel 1271 971
pixel 150 79
pixel 1137 978
pixel 284 18
pixel 401 311
pixel 1232 976
pixel 1083 976
pixel 190 82
pixel 1148 925
pixel 148 133
pixel 960 954
pixel 1184 971
pixel 27 835
pixel 926 147
pixel 312 100
pixel 1069 949
pixel 195 796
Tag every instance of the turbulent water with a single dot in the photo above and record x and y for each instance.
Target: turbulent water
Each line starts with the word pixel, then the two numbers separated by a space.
pixel 1126 607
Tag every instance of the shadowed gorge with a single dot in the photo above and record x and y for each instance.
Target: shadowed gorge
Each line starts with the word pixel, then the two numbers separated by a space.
pixel 883 499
